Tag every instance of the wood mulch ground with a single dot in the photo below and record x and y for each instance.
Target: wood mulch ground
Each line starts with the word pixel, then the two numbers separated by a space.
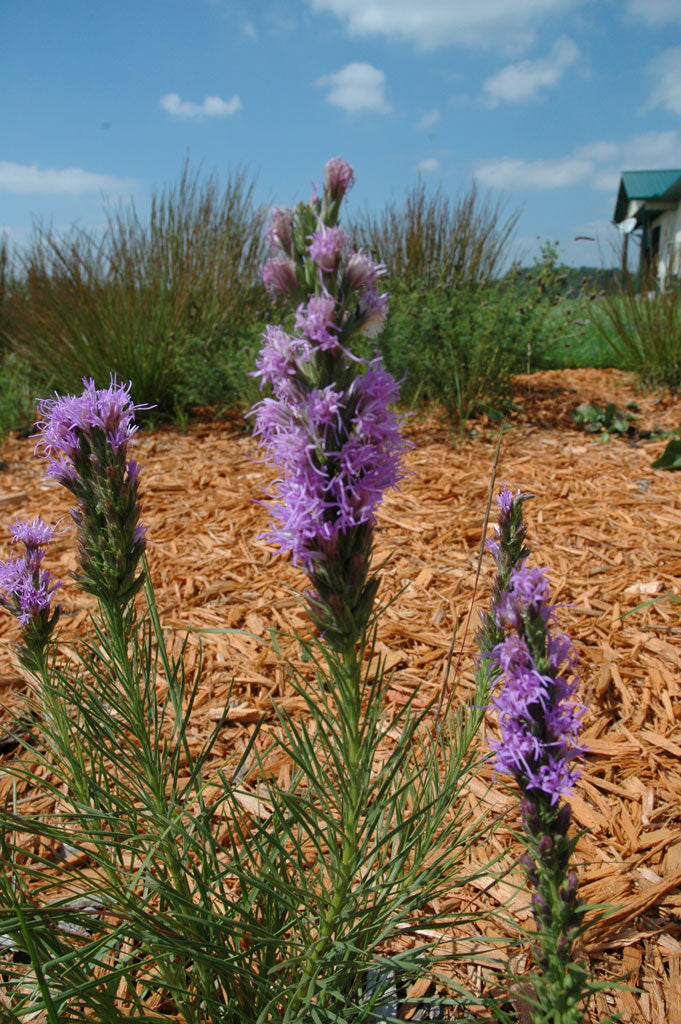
pixel 607 526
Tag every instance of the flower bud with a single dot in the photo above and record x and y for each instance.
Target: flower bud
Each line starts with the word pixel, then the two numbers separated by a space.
pixel 279 232
pixel 279 275
pixel 545 846
pixel 338 177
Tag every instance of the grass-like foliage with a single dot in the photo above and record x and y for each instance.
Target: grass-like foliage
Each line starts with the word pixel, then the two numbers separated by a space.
pixel 431 240
pixel 641 322
pixel 132 299
pixel 149 886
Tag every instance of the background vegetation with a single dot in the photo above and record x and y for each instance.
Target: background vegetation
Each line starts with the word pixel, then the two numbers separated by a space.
pixel 173 301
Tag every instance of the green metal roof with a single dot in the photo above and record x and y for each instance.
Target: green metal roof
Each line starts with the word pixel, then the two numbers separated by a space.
pixel 645 185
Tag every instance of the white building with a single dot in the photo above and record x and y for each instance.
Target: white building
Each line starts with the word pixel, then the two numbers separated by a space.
pixel 650 202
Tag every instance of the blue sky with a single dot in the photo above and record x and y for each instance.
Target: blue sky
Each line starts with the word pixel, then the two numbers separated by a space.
pixel 542 102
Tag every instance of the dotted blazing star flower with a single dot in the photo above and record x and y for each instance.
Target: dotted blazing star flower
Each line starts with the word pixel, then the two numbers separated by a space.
pixel 539 721
pixel 538 716
pixel 328 425
pixel 86 439
pixel 26 590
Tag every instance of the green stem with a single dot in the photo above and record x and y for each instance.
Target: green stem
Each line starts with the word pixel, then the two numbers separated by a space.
pixel 121 626
pixel 350 708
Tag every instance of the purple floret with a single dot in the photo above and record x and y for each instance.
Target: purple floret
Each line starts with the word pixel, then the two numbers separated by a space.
pixel 326 245
pixel 279 275
pixel 315 320
pixel 34 534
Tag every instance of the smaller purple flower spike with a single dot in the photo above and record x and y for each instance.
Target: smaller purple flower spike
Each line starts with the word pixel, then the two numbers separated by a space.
pixel 538 717
pixel 26 590
pixel 338 178
pixel 28 586
pixel 69 418
pixel 86 439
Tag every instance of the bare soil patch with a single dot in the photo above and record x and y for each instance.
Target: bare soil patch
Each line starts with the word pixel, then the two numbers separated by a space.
pixel 607 526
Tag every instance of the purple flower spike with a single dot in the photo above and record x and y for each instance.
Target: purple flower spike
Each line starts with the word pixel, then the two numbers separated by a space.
pixel 26 590
pixel 86 439
pixel 538 716
pixel 328 425
pixel 66 419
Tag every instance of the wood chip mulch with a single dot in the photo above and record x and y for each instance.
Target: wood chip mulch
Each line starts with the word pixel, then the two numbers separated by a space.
pixel 607 526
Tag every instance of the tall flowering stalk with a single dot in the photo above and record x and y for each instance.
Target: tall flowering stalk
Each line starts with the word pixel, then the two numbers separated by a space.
pixel 26 591
pixel 86 439
pixel 539 722
pixel 328 424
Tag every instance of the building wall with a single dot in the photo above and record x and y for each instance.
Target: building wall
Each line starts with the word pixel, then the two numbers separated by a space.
pixel 670 243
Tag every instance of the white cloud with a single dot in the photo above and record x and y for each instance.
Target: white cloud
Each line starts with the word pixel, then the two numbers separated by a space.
pixel 25 179
pixel 432 23
pixel 655 12
pixel 429 166
pixel 665 71
pixel 212 106
pixel 597 165
pixel 525 79
pixel 428 120
pixel 357 87
pixel 598 151
pixel 510 173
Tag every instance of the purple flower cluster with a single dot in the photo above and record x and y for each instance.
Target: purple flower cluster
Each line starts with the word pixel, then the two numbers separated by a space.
pixel 86 439
pixel 68 419
pixel 328 423
pixel 539 719
pixel 27 587
pixel 335 466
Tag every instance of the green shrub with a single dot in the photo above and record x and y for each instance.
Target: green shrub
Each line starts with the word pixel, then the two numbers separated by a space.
pixel 459 346
pixel 643 329
pixel 132 301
